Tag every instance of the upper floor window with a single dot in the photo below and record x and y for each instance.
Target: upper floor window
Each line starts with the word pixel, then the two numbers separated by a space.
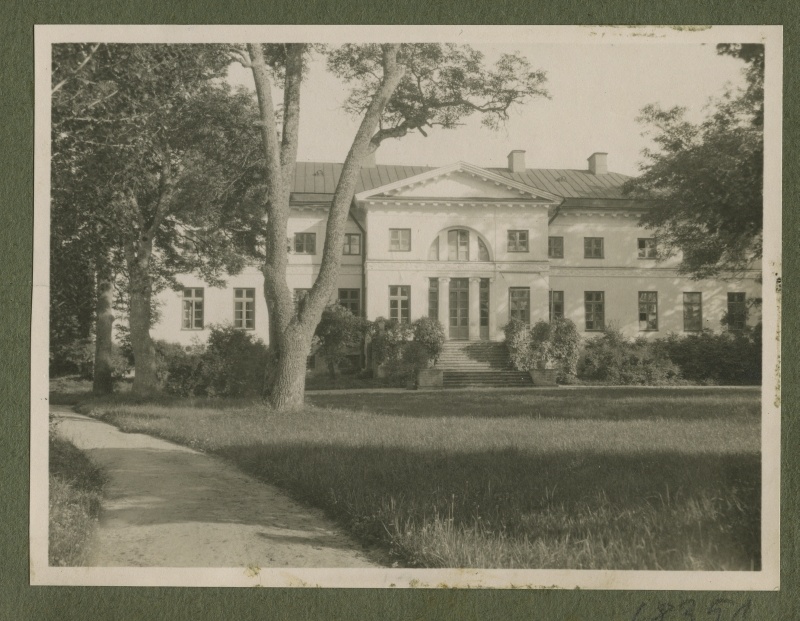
pixel 595 310
pixel 351 300
pixel 352 244
pixel 244 309
pixel 518 241
pixel 305 243
pixel 692 311
pixel 648 311
pixel 192 308
pixel 647 248
pixel 592 247
pixel 555 247
pixel 737 311
pixel 458 245
pixel 400 240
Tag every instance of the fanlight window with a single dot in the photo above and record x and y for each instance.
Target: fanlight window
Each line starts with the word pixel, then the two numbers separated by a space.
pixel 458 244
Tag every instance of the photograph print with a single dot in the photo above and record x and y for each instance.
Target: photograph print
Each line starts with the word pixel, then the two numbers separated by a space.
pixel 398 307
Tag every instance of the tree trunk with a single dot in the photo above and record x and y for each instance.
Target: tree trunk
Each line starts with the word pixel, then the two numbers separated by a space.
pixel 103 380
pixel 289 384
pixel 145 381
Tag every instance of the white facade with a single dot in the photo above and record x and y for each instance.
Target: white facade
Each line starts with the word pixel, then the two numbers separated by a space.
pixel 467 245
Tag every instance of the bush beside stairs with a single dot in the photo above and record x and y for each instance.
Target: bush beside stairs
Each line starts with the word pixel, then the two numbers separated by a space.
pixel 479 363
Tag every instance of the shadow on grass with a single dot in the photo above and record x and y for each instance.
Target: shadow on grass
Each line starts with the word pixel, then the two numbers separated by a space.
pixel 605 404
pixel 654 511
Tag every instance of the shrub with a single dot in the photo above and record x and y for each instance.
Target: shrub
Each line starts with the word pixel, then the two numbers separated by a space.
pixel 179 369
pixel 518 343
pixel 429 333
pixel 338 333
pixel 613 359
pixel 388 339
pixel 546 345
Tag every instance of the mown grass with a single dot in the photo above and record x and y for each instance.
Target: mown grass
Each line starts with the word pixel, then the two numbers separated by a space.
pixel 75 493
pixel 620 478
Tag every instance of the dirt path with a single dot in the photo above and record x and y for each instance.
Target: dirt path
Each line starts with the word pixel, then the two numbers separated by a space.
pixel 169 506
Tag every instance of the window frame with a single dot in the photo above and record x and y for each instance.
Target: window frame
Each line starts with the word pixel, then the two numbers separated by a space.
pixel 460 248
pixel 550 247
pixel 649 303
pixel 645 248
pixel 399 247
pixel 403 295
pixel 348 301
pixel 244 301
pixel 589 248
pixel 194 302
pixel 514 240
pixel 688 304
pixel 347 247
pixel 433 297
pixel 738 327
pixel 304 245
pixel 552 303
pixel 511 310
pixel 593 311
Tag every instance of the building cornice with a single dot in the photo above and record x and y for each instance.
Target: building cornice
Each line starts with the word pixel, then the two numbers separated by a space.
pixel 474 268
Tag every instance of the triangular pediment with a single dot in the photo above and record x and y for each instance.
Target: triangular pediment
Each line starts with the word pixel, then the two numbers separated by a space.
pixel 460 181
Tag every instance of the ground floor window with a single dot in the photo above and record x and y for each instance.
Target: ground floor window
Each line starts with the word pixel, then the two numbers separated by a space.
pixel 244 309
pixel 594 308
pixel 692 312
pixel 556 305
pixel 351 300
pixel 519 304
pixel 483 301
pixel 648 311
pixel 433 298
pixel 399 303
pixel 192 308
pixel 737 311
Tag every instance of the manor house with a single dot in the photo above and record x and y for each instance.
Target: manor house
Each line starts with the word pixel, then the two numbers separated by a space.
pixel 476 247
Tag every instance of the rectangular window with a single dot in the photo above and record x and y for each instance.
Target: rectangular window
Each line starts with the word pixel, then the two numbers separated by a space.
pixel 518 241
pixel 647 248
pixel 399 307
pixel 351 300
pixel 692 312
pixel 594 308
pixel 192 308
pixel 556 305
pixel 458 245
pixel 352 244
pixel 305 243
pixel 648 311
pixel 737 311
pixel 519 304
pixel 592 247
pixel 400 240
pixel 299 296
pixel 555 247
pixel 244 309
pixel 433 298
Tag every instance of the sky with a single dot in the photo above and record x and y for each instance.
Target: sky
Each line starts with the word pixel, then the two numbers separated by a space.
pixel 597 90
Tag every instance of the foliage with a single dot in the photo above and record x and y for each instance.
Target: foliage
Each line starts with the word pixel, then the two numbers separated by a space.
pixel 231 364
pixel 339 332
pixel 429 333
pixel 704 181
pixel 726 358
pixel 75 493
pixel 389 336
pixel 554 345
pixel 613 359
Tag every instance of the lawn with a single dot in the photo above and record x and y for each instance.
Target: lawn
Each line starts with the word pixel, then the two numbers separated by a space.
pixel 611 478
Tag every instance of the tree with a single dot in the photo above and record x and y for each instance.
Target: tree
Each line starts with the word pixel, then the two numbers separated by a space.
pixel 704 181
pixel 168 158
pixel 339 332
pixel 396 89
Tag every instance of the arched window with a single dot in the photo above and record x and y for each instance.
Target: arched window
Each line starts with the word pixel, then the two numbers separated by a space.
pixel 458 245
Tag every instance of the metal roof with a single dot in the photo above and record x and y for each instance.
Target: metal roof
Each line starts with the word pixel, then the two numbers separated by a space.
pixel 321 178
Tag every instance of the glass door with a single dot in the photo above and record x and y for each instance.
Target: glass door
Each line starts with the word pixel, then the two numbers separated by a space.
pixel 459 308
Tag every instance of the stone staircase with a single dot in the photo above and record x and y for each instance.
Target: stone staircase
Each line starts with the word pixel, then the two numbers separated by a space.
pixel 479 363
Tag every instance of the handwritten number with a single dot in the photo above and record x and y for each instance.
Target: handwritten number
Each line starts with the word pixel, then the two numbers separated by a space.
pixel 716 607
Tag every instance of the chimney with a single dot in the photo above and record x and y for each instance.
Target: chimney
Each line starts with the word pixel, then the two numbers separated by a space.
pixel 598 163
pixel 516 161
pixel 369 161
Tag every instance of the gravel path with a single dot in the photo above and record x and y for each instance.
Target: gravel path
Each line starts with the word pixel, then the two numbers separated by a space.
pixel 169 506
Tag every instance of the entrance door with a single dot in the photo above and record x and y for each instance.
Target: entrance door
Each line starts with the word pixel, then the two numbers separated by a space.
pixel 484 303
pixel 459 308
